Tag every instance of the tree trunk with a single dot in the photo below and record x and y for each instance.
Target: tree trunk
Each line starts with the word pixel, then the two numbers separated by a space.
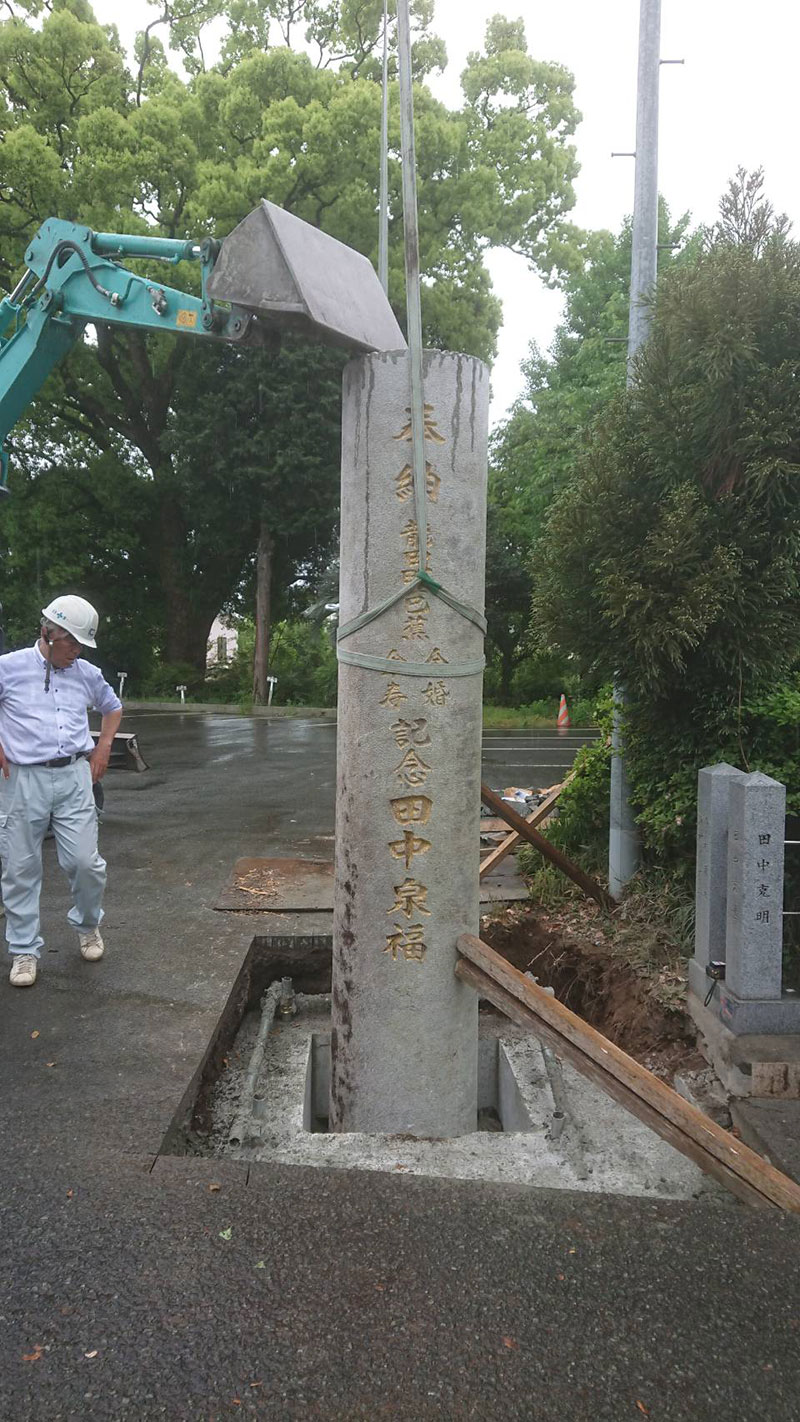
pixel 506 673
pixel 171 544
pixel 263 590
pixel 186 628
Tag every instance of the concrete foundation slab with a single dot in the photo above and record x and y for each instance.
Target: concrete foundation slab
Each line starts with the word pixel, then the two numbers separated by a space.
pixel 597 1147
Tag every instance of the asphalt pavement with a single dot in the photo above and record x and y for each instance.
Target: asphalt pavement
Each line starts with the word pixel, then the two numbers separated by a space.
pixel 138 1285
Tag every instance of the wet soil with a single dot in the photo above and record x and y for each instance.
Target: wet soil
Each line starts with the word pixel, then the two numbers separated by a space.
pixel 601 988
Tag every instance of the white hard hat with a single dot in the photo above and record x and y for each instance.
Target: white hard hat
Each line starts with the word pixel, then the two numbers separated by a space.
pixel 75 615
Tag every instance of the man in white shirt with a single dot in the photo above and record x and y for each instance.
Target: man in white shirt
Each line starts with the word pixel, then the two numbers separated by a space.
pixel 48 765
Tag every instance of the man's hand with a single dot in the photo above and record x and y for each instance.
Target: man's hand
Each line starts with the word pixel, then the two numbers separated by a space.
pixel 4 764
pixel 98 761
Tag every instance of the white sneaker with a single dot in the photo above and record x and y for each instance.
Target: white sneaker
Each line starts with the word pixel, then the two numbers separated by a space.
pixel 23 970
pixel 92 945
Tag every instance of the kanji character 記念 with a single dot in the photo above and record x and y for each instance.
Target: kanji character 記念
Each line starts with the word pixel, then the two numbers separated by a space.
pixel 412 770
pixel 407 733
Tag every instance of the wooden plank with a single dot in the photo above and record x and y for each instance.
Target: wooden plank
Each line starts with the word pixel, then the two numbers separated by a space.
pixel 533 819
pixel 557 857
pixel 689 1129
pixel 524 1017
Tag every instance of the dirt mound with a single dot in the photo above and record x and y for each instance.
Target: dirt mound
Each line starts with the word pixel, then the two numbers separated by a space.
pixel 601 988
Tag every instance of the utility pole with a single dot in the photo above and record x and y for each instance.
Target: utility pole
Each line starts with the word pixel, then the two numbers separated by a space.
pixel 383 200
pixel 624 844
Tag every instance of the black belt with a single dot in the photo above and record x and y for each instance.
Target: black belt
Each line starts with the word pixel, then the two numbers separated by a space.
pixel 61 760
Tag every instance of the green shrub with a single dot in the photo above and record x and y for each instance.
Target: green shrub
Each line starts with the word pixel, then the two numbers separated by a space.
pixel 304 661
pixel 581 826
pixel 166 677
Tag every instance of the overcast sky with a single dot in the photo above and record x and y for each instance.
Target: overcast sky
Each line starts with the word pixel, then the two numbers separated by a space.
pixel 732 102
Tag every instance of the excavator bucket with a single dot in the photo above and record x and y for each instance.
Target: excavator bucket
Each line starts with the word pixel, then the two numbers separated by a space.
pixel 291 275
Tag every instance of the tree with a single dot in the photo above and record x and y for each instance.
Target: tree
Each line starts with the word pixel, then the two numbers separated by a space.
pixel 746 216
pixel 262 461
pixel 673 554
pixel 535 451
pixel 82 525
pixel 93 140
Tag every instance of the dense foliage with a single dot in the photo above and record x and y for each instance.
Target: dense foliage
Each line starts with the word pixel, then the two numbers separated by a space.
pixel 535 453
pixel 672 556
pixel 303 660
pixel 199 444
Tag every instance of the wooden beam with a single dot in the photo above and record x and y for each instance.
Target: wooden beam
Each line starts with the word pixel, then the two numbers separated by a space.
pixel 557 857
pixel 533 819
pixel 743 1172
pixel 517 1012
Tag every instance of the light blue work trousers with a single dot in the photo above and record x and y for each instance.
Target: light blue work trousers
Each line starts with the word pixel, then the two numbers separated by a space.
pixel 31 800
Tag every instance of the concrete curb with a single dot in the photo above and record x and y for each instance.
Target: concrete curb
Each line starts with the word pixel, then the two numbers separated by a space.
pixel 219 708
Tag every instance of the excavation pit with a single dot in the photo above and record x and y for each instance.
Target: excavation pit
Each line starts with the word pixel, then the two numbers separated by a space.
pixel 537 1121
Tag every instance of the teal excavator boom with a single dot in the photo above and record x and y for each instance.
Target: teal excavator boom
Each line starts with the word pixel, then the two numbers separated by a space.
pixel 273 271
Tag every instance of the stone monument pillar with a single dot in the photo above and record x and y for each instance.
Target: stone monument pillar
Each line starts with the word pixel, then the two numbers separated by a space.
pixel 711 896
pixel 756 833
pixel 404 1029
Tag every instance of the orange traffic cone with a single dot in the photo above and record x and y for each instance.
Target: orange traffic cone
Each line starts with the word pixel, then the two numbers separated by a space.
pixel 564 722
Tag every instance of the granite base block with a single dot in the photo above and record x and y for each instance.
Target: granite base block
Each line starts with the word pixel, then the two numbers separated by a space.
pixel 744 1016
pixel 764 1065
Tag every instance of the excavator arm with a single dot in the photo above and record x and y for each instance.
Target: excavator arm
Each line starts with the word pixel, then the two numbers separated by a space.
pixel 273 271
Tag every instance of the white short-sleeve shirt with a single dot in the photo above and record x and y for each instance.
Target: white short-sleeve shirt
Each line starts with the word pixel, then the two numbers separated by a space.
pixel 38 725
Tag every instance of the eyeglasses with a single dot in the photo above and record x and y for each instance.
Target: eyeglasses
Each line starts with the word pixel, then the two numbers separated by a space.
pixel 59 635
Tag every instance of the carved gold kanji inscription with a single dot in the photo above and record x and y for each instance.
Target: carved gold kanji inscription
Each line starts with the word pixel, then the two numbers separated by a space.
pixel 436 693
pixel 411 733
pixel 417 613
pixel 404 483
pixel 394 696
pixel 412 770
pixel 431 432
pixel 408 941
pixel 410 897
pixel 410 537
pixel 411 809
pixel 408 847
